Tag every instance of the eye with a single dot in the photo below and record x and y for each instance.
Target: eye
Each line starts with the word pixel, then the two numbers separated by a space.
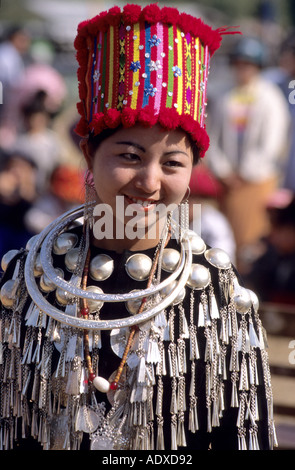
pixel 174 164
pixel 128 156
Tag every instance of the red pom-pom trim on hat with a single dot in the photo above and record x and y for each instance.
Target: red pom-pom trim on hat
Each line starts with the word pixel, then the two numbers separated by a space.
pixel 151 13
pixel 168 119
pixel 131 13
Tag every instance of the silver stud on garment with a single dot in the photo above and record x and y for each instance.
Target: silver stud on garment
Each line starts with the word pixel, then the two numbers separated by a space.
pixel 218 258
pixel 199 277
pixel 101 267
pixel 138 266
pixel 170 259
pixel 64 242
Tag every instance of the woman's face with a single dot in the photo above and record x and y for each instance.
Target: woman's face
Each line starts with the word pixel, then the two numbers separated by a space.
pixel 142 168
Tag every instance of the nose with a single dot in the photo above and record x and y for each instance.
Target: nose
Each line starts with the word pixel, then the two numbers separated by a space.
pixel 148 179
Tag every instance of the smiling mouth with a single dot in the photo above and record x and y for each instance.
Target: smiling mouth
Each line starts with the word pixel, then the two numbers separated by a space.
pixel 143 202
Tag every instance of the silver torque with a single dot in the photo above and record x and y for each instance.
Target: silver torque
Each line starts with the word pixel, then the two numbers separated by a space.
pixel 87 324
pixel 45 259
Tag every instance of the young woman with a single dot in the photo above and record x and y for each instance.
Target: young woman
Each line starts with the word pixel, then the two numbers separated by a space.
pixel 121 329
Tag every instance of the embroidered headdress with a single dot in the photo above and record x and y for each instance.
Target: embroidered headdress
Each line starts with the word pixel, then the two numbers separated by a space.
pixel 145 65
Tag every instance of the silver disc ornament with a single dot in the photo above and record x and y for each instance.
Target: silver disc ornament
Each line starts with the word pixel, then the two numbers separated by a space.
pixel 101 267
pixel 94 305
pixel 170 259
pixel 197 243
pixel 8 293
pixel 199 277
pixel 138 266
pixel 7 258
pixel 46 284
pixel 64 243
pixel 218 258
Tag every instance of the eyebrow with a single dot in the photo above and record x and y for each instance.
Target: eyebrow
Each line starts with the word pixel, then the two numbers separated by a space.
pixel 133 144
pixel 172 152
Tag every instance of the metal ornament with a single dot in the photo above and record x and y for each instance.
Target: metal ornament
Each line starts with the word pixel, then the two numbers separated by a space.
pixel 167 290
pixel 133 305
pixel 199 277
pixel 197 243
pixel 63 297
pixel 101 267
pixel 45 240
pixel 138 266
pixel 170 259
pixel 46 284
pixel 8 293
pixel 242 300
pixel 218 258
pixel 71 259
pixel 64 243
pixel 94 305
pixel 38 269
pixel 7 258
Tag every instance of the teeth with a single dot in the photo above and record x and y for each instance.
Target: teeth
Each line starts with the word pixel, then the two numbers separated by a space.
pixel 143 203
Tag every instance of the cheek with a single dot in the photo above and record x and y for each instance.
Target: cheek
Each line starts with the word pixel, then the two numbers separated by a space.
pixel 177 187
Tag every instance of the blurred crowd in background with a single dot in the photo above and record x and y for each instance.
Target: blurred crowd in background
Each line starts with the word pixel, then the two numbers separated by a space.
pixel 246 184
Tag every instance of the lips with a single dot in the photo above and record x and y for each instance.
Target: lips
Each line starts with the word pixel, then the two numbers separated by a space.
pixel 143 202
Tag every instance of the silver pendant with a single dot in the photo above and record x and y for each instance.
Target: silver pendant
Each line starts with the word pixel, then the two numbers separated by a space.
pixel 87 420
pixel 38 270
pixel 168 289
pixel 199 277
pixel 170 259
pixel 64 243
pixel 94 305
pixel 133 305
pixel 102 443
pixel 8 293
pixel 63 297
pixel 101 267
pixel 7 258
pixel 242 300
pixel 197 243
pixel 46 284
pixel 218 258
pixel 138 266
pixel 71 259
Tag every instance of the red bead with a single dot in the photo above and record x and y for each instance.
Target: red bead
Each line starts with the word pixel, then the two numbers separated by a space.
pixel 91 377
pixel 85 312
pixel 114 385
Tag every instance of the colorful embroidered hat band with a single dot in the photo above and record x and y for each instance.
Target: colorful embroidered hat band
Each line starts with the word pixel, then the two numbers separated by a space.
pixel 145 65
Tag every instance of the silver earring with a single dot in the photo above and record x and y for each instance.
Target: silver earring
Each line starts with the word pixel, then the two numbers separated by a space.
pixel 184 213
pixel 90 198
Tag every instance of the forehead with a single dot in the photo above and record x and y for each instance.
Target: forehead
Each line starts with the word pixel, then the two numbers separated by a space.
pixel 148 137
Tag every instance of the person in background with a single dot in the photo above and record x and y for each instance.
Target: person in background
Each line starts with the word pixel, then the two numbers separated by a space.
pixel 249 137
pixel 18 191
pixel 38 139
pixel 272 265
pixel 12 70
pixel 65 192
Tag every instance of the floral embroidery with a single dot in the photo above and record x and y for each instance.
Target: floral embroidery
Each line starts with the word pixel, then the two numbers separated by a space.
pixel 96 76
pixel 154 65
pixel 154 41
pixel 135 66
pixel 177 71
pixel 150 90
